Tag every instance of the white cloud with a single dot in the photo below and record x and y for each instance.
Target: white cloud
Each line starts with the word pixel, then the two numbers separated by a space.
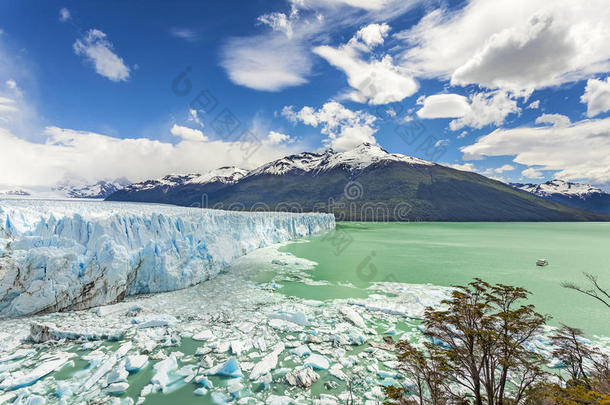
pixel 373 34
pixel 557 120
pixel 532 173
pixel 444 106
pixel 98 50
pixel 68 154
pixel 485 109
pixel 597 96
pixel 479 110
pixel 275 138
pixel 378 81
pixel 186 34
pixel 270 62
pixel 516 45
pixel 64 15
pixel 188 134
pixel 534 105
pixel 345 128
pixel 280 21
pixel 282 56
pixel 441 142
pixel 465 167
pixel 578 152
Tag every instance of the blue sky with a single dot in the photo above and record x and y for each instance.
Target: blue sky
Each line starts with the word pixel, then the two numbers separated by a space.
pixel 516 90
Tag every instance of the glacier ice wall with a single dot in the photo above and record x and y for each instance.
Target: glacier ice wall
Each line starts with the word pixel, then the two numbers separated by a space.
pixel 58 255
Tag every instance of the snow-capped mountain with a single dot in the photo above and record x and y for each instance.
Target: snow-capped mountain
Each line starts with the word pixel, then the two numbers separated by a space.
pixel 99 190
pixel 578 195
pixel 364 184
pixel 15 193
pixel 356 159
pixel 224 175
pixel 559 187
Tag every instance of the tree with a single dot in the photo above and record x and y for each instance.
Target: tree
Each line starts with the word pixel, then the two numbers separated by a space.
pixel 477 344
pixel 594 290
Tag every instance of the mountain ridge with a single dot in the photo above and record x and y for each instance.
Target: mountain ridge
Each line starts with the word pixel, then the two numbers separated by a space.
pixel 366 184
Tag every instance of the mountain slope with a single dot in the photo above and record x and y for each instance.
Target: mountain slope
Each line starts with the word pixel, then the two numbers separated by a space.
pixel 180 190
pixel 577 195
pixel 370 184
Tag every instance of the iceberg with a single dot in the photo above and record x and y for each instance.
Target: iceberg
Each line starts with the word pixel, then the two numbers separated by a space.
pixel 66 255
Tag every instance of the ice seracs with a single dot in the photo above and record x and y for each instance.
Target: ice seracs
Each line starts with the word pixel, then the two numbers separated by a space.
pixel 58 255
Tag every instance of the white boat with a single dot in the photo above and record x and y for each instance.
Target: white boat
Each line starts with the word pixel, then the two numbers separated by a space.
pixel 542 262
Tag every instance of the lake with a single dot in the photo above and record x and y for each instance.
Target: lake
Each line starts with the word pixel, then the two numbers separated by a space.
pixel 357 254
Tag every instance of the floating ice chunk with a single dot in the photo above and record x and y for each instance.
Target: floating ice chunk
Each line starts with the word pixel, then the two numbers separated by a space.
pixel 117 388
pixel 200 391
pixel 42 332
pixel 268 363
pixel 21 378
pixel 353 317
pixel 118 375
pixel 279 400
pixel 301 351
pixel 152 321
pixel 336 371
pixel 234 386
pixel 229 368
pixel 204 335
pixel 19 354
pixel 317 361
pixel 136 362
pixel 204 382
pixel 240 346
pixel 162 379
pixel 106 366
pixel 26 399
pixel 294 316
pixel 303 377
pixel 220 398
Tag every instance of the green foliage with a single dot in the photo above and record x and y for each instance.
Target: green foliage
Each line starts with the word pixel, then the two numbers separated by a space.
pixel 477 344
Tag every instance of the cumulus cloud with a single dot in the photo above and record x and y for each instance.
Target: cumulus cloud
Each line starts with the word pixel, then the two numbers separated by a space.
pixel 373 34
pixel 465 167
pixel 282 57
pixel 515 45
pixel 188 134
pixel 378 81
pixel 485 109
pixel 64 15
pixel 597 96
pixel 99 51
pixel 534 105
pixel 557 120
pixel 444 106
pixel 577 152
pixel 345 128
pixel 275 138
pixel 532 173
pixel 68 153
pixel 477 111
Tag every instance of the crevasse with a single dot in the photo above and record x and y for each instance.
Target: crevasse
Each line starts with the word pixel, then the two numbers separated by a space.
pixel 59 255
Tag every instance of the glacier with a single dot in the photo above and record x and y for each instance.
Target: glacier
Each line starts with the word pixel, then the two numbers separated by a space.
pixel 69 255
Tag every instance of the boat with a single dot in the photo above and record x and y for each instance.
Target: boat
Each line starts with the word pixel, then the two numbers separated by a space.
pixel 542 262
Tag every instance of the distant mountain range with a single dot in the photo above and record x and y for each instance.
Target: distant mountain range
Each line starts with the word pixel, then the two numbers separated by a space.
pixel 65 189
pixel 364 184
pixel 578 195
